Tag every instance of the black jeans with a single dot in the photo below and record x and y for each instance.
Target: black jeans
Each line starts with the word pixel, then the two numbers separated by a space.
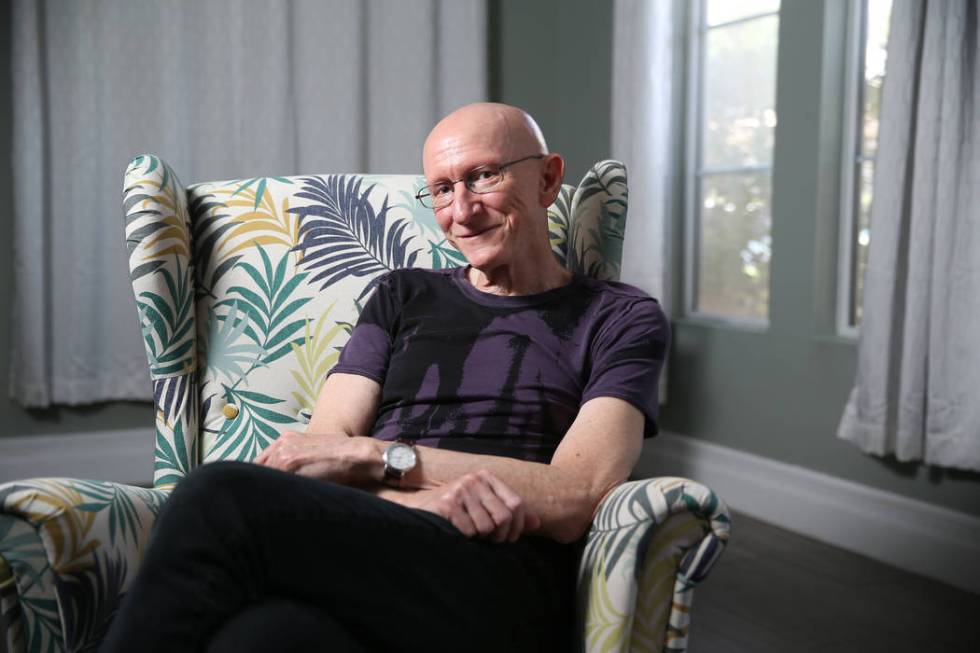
pixel 246 558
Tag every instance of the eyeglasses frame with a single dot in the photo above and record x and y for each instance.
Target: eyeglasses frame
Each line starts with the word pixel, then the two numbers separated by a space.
pixel 427 192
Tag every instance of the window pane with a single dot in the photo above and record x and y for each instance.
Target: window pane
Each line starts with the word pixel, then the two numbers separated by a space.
pixel 875 55
pixel 739 94
pixel 734 246
pixel 863 233
pixel 723 11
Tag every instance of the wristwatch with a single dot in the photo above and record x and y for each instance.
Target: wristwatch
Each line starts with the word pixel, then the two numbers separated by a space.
pixel 399 458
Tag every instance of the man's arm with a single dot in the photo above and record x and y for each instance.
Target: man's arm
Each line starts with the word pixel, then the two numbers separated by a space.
pixel 348 404
pixel 596 454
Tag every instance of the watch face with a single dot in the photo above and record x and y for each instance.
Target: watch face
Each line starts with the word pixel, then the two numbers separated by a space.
pixel 400 457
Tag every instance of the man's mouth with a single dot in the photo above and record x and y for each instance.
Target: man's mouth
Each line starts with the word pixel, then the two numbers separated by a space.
pixel 476 233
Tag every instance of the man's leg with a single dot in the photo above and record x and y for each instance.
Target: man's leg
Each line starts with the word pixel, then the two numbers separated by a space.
pixel 398 579
pixel 283 626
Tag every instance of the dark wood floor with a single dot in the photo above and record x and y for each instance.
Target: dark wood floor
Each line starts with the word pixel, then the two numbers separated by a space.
pixel 774 590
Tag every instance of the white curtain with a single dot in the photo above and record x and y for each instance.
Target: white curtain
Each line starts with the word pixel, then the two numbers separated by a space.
pixel 917 392
pixel 643 51
pixel 220 89
pixel 644 42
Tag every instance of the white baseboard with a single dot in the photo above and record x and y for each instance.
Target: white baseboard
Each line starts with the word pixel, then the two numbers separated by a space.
pixel 913 535
pixel 125 456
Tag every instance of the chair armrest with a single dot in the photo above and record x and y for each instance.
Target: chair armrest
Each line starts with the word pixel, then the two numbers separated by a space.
pixel 650 543
pixel 68 550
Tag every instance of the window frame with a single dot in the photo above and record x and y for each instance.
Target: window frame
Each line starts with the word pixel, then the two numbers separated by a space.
pixel 851 160
pixel 694 172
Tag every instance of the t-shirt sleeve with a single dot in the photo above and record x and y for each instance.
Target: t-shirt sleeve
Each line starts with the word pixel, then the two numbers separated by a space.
pixel 369 348
pixel 628 354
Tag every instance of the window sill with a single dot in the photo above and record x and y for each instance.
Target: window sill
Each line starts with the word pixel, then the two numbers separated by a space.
pixel 713 322
pixel 836 339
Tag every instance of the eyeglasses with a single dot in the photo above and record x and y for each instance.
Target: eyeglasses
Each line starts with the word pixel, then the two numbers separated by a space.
pixel 484 179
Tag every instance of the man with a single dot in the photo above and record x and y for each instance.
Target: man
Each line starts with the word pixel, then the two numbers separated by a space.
pixel 488 410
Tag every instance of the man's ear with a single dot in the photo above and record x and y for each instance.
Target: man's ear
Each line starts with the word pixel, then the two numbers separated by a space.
pixel 552 174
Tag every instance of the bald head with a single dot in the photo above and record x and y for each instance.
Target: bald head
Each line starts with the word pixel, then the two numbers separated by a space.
pixel 502 229
pixel 509 130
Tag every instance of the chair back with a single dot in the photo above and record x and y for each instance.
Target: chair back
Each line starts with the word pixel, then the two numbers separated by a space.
pixel 247 290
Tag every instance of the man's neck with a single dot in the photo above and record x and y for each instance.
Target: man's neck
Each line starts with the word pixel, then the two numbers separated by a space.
pixel 505 280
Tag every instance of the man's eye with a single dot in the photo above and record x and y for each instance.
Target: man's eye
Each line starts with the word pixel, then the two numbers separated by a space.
pixel 441 190
pixel 487 174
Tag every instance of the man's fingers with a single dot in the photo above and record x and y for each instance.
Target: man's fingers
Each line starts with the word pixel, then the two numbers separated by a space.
pixel 473 503
pixel 474 509
pixel 270 455
pixel 265 453
pixel 450 506
pixel 506 508
pixel 282 456
pixel 480 504
pixel 502 516
pixel 529 519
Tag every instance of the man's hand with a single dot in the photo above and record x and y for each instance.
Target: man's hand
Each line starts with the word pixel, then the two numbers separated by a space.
pixel 479 504
pixel 333 457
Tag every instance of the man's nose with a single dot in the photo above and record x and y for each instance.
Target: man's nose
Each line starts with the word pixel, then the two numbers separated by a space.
pixel 464 203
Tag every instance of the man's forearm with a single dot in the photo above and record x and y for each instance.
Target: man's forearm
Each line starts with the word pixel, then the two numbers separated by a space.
pixel 595 454
pixel 556 496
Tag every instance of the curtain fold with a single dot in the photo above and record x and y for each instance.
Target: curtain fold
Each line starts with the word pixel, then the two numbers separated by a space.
pixel 643 50
pixel 644 42
pixel 220 89
pixel 915 393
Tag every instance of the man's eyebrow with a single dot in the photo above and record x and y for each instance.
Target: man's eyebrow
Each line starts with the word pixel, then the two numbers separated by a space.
pixel 485 165
pixel 469 171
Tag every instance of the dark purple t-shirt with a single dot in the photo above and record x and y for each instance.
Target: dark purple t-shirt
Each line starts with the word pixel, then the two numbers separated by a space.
pixel 465 370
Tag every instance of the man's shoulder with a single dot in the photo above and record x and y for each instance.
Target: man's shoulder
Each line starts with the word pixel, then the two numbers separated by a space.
pixel 618 292
pixel 620 305
pixel 406 286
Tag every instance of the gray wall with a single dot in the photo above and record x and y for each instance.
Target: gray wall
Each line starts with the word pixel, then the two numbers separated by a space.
pixel 553 58
pixel 777 393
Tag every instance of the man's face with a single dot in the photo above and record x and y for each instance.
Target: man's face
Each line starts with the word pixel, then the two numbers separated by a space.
pixel 489 229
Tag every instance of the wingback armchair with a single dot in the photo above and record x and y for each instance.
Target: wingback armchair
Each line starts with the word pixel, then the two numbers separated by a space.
pixel 246 292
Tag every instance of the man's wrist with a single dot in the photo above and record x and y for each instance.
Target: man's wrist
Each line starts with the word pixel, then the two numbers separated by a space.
pixel 371 460
pixel 368 458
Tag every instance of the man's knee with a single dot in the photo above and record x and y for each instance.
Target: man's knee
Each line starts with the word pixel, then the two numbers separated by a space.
pixel 223 475
pixel 216 490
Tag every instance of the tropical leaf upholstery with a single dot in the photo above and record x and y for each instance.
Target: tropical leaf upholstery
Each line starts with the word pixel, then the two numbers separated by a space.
pixel 68 549
pixel 246 292
pixel 650 544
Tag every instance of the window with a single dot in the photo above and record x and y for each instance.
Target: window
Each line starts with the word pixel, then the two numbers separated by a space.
pixel 730 144
pixel 869 37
